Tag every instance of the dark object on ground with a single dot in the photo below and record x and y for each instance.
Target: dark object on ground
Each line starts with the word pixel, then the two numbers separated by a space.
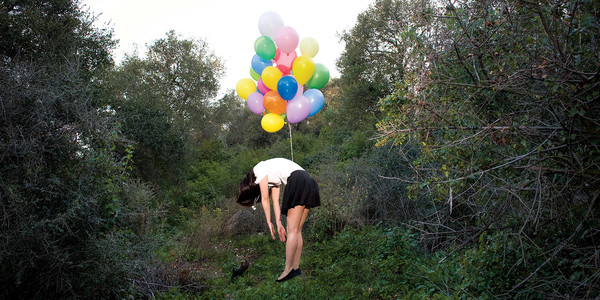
pixel 239 271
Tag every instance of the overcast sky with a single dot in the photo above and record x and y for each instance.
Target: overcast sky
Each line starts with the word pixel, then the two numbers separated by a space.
pixel 229 26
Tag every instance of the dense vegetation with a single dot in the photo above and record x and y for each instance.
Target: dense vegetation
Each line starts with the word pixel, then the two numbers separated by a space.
pixel 457 157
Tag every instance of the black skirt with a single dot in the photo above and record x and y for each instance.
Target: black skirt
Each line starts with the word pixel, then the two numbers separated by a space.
pixel 301 189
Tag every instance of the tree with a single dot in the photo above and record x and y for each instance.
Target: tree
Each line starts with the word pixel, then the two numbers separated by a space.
pixel 59 183
pixel 163 102
pixel 501 99
pixel 373 59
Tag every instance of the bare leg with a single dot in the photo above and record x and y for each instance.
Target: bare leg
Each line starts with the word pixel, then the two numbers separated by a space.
pixel 298 253
pixel 294 218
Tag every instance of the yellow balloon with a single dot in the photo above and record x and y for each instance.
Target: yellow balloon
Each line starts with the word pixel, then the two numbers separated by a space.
pixel 270 77
pixel 303 68
pixel 309 47
pixel 272 122
pixel 245 87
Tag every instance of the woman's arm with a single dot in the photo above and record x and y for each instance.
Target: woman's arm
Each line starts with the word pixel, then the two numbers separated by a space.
pixel 264 199
pixel 277 211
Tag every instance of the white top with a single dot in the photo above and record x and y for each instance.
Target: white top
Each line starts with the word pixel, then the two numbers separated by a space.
pixel 277 170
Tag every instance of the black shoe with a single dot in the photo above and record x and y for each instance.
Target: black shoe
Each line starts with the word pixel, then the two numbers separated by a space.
pixel 289 276
pixel 297 271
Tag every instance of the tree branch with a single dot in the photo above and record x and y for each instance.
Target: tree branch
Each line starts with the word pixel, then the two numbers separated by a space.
pixel 561 245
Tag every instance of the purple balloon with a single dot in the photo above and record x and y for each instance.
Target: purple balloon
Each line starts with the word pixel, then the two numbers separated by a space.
pixel 255 103
pixel 297 109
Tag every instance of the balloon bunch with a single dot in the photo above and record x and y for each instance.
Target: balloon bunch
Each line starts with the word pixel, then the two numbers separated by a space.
pixel 279 75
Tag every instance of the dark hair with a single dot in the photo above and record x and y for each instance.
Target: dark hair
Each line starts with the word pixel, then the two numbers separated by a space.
pixel 249 190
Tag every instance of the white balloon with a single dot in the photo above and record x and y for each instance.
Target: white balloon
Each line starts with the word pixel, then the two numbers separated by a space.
pixel 269 23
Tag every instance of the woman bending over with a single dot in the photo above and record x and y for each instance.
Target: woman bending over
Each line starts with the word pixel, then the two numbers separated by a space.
pixel 301 193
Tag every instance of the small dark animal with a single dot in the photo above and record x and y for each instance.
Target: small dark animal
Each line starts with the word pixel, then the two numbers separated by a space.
pixel 239 271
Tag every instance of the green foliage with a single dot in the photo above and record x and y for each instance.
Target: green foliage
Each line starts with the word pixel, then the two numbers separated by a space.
pixel 373 59
pixel 52 32
pixel 120 183
pixel 162 101
pixel 73 219
pixel 371 262
pixel 503 130
pixel 211 180
pixel 381 262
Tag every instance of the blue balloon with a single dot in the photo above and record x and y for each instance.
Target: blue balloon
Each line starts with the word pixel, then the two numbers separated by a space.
pixel 316 99
pixel 287 87
pixel 259 64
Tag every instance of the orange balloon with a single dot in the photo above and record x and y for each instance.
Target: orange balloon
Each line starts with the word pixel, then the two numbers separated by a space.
pixel 274 103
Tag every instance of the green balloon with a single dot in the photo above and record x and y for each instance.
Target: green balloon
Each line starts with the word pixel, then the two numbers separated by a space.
pixel 265 47
pixel 254 75
pixel 320 77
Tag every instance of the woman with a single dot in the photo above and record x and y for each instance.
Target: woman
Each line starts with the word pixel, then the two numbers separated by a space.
pixel 300 195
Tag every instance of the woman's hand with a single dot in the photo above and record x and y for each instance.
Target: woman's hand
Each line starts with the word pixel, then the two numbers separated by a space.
pixel 281 231
pixel 271 229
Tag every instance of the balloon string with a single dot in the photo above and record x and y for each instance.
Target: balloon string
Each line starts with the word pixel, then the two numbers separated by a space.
pixel 291 145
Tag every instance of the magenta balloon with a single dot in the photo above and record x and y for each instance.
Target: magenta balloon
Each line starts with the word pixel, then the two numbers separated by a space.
pixel 298 109
pixel 287 39
pixel 262 88
pixel 255 103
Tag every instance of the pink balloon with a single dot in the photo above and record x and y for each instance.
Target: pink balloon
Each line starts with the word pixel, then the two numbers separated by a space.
pixel 255 103
pixel 300 91
pixel 286 39
pixel 284 61
pixel 298 109
pixel 262 88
